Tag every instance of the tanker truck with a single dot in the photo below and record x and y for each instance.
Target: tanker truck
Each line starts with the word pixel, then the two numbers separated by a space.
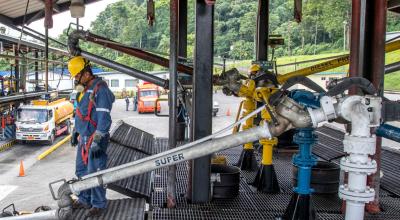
pixel 44 120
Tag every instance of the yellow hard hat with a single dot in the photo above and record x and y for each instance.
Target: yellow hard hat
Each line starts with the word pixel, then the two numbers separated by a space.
pixel 254 68
pixel 76 65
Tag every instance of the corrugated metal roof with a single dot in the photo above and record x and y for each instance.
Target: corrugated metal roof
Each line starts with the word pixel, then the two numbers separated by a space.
pixel 14 9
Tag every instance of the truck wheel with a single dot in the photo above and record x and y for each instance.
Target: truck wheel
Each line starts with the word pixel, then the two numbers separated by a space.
pixel 52 138
pixel 69 128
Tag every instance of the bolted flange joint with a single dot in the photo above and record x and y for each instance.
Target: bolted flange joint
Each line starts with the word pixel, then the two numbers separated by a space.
pixel 359 145
pixel 367 168
pixel 366 196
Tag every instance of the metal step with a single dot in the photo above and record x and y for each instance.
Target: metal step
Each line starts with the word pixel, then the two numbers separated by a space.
pixel 135 186
pixel 135 138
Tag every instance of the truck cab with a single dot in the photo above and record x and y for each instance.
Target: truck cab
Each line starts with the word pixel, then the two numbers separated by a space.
pixel 43 121
pixel 147 94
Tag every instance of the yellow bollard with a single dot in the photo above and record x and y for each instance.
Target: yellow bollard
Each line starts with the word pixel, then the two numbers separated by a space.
pixel 53 148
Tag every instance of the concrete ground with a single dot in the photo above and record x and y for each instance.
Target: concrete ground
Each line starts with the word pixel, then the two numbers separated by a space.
pixel 32 191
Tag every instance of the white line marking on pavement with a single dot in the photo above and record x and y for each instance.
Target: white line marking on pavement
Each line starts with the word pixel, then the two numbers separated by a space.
pixel 5 190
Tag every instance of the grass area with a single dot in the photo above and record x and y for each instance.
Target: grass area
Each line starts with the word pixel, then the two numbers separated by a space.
pixel 392 81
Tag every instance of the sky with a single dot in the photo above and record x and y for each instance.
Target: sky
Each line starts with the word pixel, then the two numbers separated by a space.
pixel 62 20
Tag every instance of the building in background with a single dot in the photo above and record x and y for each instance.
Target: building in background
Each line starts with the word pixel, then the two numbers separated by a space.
pixel 119 81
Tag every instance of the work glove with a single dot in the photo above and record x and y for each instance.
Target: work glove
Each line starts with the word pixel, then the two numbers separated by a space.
pixel 95 147
pixel 97 137
pixel 95 150
pixel 74 138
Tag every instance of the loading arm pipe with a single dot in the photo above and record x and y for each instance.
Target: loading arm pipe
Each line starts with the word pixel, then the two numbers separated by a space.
pixel 287 115
pixel 75 50
pixel 125 69
pixel 331 64
pixel 393 67
pixel 172 157
pixel 141 54
pixel 47 215
pixel 388 131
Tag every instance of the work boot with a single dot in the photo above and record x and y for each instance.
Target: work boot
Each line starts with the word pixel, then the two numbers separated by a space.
pixel 94 212
pixel 78 205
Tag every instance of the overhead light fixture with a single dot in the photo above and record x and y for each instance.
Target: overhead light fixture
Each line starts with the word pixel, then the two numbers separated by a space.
pixel 77 8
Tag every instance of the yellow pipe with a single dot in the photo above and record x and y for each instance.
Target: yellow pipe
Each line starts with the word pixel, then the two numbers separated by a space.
pixel 330 64
pixel 236 128
pixel 53 148
pixel 268 145
pixel 249 105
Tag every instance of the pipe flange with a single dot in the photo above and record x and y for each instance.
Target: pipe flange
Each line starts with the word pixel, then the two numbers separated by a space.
pixel 359 145
pixel 367 168
pixel 346 193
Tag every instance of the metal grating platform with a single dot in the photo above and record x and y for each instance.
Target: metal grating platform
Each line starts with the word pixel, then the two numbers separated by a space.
pixel 122 209
pixel 251 204
pixel 136 186
pixel 132 137
pixel 193 214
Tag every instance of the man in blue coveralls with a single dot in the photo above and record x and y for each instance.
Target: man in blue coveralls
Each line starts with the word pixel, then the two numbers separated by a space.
pixel 92 125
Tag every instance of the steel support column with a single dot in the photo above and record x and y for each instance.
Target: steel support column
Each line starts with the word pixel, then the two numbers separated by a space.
pixel 36 71
pixel 182 52
pixel 173 68
pixel 262 30
pixel 183 7
pixel 48 23
pixel 46 57
pixel 202 98
pixel 367 59
pixel 16 72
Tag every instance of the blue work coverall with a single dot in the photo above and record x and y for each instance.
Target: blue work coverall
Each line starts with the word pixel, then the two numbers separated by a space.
pixel 103 98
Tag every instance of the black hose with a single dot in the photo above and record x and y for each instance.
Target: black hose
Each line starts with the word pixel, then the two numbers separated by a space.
pixel 73 41
pixel 305 81
pixel 275 97
pixel 364 84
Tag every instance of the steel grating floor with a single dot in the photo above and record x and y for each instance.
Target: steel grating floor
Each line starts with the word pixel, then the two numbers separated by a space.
pixel 122 209
pixel 251 204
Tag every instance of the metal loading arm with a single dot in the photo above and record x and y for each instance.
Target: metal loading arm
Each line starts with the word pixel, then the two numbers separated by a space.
pixel 289 114
pixel 74 49
pixel 340 61
pixel 136 52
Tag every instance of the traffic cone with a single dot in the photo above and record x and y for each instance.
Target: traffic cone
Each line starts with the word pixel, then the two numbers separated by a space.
pixel 21 169
pixel 228 113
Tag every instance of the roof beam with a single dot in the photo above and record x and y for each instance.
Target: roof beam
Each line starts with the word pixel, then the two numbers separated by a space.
pixel 35 17
pixel 393 4
pixel 5 20
pixel 56 8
